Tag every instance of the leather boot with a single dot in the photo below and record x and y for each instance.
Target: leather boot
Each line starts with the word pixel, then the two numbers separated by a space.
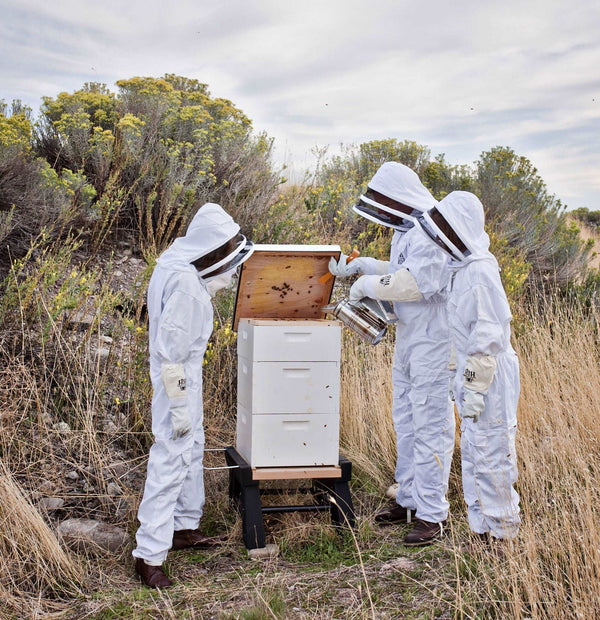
pixel 194 539
pixel 152 576
pixel 393 515
pixel 424 533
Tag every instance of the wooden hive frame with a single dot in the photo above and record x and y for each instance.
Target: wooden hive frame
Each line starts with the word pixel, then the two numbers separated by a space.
pixel 283 282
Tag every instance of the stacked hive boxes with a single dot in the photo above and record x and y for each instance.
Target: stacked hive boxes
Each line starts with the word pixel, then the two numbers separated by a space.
pixel 288 392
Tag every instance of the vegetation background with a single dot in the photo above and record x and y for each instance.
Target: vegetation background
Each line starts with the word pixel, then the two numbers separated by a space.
pixel 91 191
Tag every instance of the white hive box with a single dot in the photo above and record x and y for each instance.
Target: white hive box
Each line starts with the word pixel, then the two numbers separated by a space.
pixel 288 368
pixel 288 408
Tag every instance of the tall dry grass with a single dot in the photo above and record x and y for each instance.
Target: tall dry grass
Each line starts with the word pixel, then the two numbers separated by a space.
pixel 553 570
pixel 32 560
pixel 367 436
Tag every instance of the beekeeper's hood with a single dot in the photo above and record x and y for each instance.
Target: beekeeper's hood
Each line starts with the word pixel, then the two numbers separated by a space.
pixel 456 225
pixel 212 244
pixel 403 197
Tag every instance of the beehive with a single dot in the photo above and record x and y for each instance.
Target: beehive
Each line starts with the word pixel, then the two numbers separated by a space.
pixel 288 359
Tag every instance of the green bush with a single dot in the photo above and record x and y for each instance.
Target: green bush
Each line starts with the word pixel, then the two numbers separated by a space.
pixel 155 152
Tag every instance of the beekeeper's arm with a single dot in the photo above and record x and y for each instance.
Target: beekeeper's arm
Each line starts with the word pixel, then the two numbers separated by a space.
pixel 398 286
pixel 361 264
pixel 180 324
pixel 485 312
pixel 423 273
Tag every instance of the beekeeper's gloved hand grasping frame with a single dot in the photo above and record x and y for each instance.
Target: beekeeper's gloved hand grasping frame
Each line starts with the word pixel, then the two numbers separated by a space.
pixel 346 266
pixel 349 265
pixel 173 376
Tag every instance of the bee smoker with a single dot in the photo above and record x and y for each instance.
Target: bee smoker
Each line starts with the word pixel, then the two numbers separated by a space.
pixel 367 317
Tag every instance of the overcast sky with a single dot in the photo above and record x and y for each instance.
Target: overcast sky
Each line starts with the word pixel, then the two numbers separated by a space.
pixel 459 77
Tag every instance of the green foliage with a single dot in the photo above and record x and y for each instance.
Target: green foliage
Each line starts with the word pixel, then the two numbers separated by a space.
pixel 160 148
pixel 327 547
pixel 287 220
pixel 519 208
pixel 15 133
pixel 591 218
pixel 33 196
pixel 514 268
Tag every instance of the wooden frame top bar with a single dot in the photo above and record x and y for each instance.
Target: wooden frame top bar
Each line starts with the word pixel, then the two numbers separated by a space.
pixel 296 473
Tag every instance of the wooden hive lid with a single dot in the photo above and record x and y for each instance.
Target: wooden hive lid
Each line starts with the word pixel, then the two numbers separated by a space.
pixel 282 282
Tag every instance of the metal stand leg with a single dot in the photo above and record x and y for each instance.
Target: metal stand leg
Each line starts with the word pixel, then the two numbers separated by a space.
pixel 245 492
pixel 252 518
pixel 342 510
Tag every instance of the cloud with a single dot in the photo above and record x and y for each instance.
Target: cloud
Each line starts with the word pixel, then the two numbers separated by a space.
pixel 460 77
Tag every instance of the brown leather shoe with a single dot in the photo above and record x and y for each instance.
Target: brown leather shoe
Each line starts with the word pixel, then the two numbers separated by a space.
pixel 424 533
pixel 152 576
pixel 194 539
pixel 393 515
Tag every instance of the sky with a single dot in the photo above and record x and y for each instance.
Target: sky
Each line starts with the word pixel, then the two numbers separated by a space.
pixel 458 77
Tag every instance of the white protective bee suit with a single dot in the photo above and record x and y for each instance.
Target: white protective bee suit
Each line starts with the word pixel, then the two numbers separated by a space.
pixel 487 369
pixel 181 322
pixel 422 413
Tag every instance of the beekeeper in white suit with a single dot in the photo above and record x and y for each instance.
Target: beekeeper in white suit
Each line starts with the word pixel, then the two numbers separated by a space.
pixel 186 277
pixel 422 412
pixel 487 369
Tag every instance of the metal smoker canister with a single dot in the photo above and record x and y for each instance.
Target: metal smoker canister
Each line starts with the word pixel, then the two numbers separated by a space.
pixel 360 319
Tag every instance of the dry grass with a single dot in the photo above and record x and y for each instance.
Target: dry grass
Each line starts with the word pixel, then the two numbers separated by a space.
pixel 552 572
pixel 367 434
pixel 554 569
pixel 31 558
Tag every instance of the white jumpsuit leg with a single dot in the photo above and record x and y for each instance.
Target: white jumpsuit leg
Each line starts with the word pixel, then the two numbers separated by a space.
pixel 174 490
pixel 403 426
pixel 423 414
pixel 489 463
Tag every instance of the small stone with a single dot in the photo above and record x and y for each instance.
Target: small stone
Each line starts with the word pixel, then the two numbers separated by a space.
pixel 114 489
pixel 83 318
pixel 110 426
pixel 103 353
pixel 46 487
pixel 117 469
pixel 72 475
pixel 106 339
pixel 61 427
pixel 89 535
pixel 400 564
pixel 268 552
pixel 51 503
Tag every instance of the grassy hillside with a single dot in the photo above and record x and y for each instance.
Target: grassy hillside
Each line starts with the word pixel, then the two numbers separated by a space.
pixel 89 196
pixel 550 573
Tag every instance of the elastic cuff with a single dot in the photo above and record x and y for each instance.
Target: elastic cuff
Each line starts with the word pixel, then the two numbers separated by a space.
pixel 186 523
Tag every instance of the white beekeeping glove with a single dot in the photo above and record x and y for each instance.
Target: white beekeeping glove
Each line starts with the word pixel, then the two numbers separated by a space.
pixel 181 421
pixel 345 267
pixel 398 286
pixel 472 405
pixel 479 372
pixel 173 377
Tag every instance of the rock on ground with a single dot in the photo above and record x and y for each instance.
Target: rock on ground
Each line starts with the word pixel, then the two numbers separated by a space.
pixel 89 535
